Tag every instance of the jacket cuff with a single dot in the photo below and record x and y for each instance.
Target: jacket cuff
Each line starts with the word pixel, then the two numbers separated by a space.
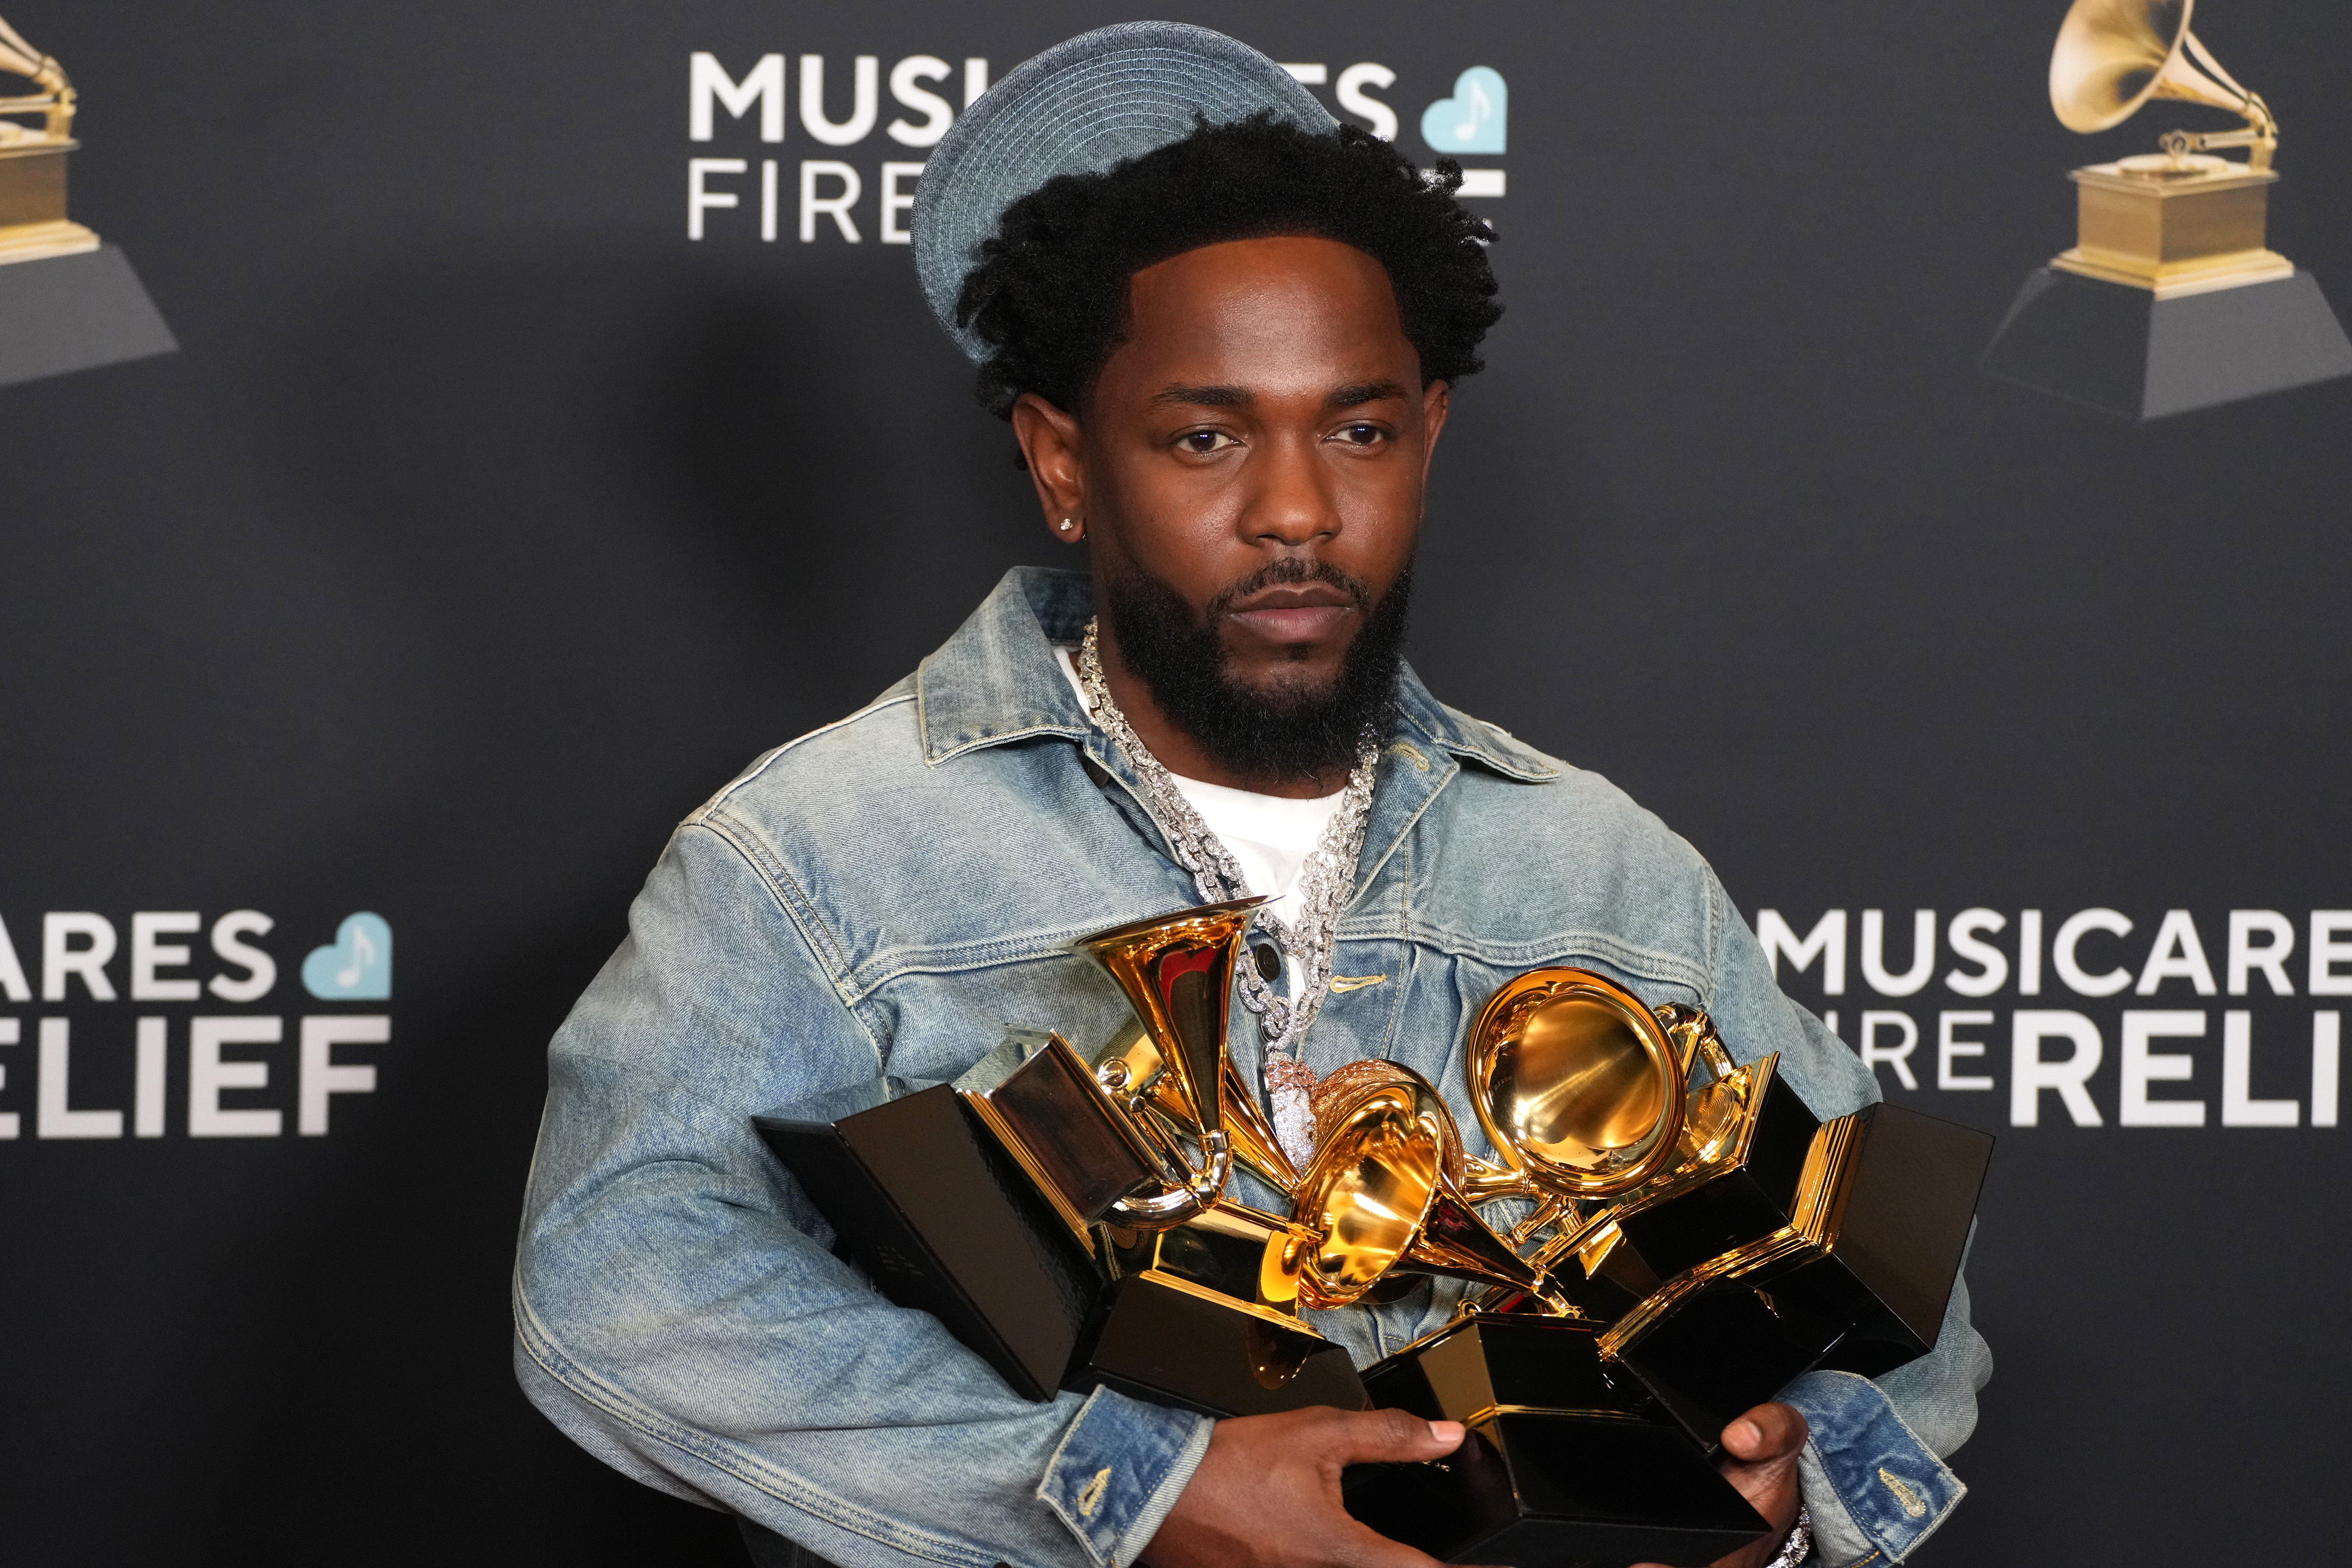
pixel 1875 1490
pixel 1119 1468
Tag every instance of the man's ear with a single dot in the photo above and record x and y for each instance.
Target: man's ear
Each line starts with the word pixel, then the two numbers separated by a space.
pixel 1049 442
pixel 1436 401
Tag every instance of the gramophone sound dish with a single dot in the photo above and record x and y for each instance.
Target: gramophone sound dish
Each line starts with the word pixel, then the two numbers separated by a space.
pixel 1575 1082
pixel 2109 57
pixel 1579 1082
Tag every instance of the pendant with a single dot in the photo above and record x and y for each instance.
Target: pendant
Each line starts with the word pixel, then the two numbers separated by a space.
pixel 1290 1084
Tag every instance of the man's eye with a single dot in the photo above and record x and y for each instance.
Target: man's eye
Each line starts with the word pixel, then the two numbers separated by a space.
pixel 1361 435
pixel 1205 441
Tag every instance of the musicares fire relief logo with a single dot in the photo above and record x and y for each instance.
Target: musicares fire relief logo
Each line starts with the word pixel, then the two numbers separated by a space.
pixel 237 1077
pixel 2145 1060
pixel 838 196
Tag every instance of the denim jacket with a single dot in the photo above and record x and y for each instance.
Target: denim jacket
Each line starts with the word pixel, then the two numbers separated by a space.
pixel 888 896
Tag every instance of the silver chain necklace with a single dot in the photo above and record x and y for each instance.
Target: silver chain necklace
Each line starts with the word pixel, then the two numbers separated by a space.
pixel 1327 879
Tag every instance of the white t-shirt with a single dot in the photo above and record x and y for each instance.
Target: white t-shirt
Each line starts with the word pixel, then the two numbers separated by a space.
pixel 1268 835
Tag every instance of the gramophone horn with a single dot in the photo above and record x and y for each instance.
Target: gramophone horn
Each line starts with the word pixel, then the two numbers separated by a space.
pixel 1379 1197
pixel 1177 971
pixel 1575 1083
pixel 2114 55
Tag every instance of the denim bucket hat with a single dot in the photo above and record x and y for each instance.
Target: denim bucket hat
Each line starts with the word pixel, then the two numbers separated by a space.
pixel 1079 107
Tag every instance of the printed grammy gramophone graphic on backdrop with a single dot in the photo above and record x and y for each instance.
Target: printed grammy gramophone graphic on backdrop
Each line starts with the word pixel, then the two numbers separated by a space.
pixel 67 301
pixel 2171 297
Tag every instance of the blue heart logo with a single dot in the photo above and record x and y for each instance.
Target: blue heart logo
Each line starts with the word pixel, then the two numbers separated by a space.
pixel 1471 120
pixel 357 968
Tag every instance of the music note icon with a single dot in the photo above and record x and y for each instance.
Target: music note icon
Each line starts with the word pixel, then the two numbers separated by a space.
pixel 363 955
pixel 1482 109
pixel 1474 119
pixel 356 966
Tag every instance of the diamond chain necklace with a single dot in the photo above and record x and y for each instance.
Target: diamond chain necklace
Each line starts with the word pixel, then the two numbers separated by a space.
pixel 1327 879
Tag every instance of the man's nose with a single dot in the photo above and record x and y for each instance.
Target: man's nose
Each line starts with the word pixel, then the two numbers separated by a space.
pixel 1291 504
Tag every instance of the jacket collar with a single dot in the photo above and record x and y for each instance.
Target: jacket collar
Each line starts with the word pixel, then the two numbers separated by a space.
pixel 996 681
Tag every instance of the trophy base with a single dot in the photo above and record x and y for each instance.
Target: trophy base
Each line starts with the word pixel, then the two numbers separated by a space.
pixel 1171 1341
pixel 1727 1351
pixel 39 241
pixel 33 187
pixel 1570 1459
pixel 924 1199
pixel 2174 230
pixel 1888 1277
pixel 1715 1210
pixel 1488 1361
pixel 69 313
pixel 1552 1490
pixel 2123 350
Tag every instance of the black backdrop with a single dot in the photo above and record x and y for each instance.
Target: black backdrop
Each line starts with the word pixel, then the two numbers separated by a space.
pixel 486 523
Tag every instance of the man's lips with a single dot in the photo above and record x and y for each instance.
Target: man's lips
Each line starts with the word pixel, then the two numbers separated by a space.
pixel 1293 623
pixel 1293 611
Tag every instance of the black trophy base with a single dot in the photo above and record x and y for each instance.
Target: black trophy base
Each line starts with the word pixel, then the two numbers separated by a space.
pixel 1725 1351
pixel 1554 1490
pixel 1167 1341
pixel 1731 1208
pixel 941 1218
pixel 1570 1460
pixel 1910 1203
pixel 75 312
pixel 2125 350
pixel 1490 1361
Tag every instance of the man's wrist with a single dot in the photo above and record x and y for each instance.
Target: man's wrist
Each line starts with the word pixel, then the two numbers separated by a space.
pixel 1797 1544
pixel 1120 1469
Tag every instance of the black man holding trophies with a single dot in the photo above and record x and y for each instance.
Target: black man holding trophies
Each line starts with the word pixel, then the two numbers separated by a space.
pixel 1227 334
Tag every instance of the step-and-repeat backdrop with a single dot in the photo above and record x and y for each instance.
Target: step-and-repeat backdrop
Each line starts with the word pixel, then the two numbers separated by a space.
pixel 556 425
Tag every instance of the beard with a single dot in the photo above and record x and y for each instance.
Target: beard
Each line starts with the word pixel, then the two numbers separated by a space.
pixel 1295 727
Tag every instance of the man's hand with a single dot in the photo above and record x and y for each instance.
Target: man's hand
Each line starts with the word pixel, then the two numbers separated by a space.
pixel 1267 1493
pixel 1760 1458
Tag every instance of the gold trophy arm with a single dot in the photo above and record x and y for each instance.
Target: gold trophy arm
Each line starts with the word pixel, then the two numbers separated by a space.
pixel 2262 126
pixel 1485 1183
pixel 1175 1205
pixel 56 98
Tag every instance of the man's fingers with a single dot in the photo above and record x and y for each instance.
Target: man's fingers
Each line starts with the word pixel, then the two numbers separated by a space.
pixel 1390 1437
pixel 1768 1432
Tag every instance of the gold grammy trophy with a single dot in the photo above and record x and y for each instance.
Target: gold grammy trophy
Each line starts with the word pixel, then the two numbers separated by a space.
pixel 1069 1222
pixel 2170 298
pixel 33 222
pixel 2180 221
pixel 1696 1239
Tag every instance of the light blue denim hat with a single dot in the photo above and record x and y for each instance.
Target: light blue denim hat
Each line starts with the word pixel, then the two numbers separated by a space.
pixel 1080 107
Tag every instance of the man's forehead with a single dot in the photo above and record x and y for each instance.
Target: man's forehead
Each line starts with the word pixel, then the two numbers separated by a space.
pixel 1288 273
pixel 1290 316
pixel 1341 394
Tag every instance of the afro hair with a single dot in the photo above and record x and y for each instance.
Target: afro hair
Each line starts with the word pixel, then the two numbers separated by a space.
pixel 1049 294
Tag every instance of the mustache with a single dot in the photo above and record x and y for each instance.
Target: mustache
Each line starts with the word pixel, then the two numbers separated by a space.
pixel 1285 571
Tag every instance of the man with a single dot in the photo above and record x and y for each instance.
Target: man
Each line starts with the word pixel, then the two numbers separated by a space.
pixel 1226 336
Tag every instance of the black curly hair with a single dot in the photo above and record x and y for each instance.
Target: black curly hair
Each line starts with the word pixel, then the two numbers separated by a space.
pixel 1049 294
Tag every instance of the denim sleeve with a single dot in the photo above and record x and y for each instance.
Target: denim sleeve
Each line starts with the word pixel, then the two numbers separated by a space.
pixel 1873 1469
pixel 679 1314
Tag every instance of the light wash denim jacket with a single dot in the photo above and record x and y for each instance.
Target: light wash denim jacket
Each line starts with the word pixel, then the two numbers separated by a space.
pixel 889 895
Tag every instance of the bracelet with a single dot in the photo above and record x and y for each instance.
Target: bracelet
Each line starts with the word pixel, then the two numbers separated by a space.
pixel 1800 1543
